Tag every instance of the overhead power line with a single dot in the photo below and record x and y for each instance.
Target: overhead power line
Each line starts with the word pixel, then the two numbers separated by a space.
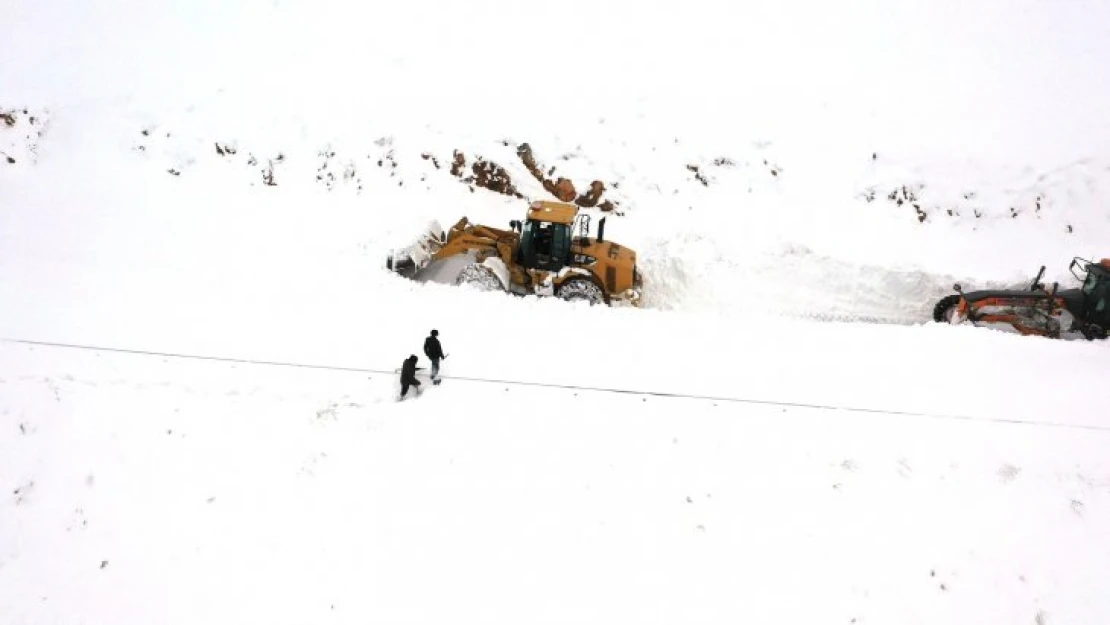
pixel 575 387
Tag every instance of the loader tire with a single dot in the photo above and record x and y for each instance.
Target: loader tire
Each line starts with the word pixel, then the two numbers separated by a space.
pixel 581 291
pixel 942 312
pixel 1093 332
pixel 479 277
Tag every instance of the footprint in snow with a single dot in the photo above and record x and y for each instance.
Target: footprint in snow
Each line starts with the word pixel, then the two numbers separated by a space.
pixel 1008 472
pixel 904 468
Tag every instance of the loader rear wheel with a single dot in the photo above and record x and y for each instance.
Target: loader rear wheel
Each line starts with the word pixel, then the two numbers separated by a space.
pixel 480 277
pixel 581 291
pixel 945 310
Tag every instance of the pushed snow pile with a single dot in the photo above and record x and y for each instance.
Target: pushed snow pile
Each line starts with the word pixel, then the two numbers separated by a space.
pixel 695 272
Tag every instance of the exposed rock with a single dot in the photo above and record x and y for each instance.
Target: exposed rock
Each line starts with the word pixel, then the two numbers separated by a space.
pixel 268 175
pixel 526 157
pixel 457 164
pixel 562 189
pixel 492 176
pixel 592 196
pixel 698 175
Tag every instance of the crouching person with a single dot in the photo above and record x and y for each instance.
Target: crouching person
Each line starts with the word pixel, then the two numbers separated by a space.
pixel 408 376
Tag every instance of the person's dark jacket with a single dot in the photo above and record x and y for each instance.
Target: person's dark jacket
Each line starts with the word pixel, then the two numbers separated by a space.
pixel 432 348
pixel 408 370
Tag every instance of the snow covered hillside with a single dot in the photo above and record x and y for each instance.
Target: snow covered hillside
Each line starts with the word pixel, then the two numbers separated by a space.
pixel 197 391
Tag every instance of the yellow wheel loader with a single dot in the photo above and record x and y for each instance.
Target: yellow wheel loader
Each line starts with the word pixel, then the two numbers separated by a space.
pixel 542 256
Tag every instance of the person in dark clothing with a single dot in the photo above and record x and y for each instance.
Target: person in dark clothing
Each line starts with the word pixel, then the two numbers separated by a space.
pixel 408 375
pixel 434 351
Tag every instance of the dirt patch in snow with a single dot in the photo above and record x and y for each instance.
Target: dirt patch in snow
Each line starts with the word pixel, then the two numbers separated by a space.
pixel 20 133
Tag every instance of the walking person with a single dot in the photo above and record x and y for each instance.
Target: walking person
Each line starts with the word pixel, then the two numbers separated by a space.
pixel 434 351
pixel 408 376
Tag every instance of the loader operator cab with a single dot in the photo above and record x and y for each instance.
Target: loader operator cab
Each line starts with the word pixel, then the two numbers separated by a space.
pixel 545 237
pixel 544 245
pixel 1096 287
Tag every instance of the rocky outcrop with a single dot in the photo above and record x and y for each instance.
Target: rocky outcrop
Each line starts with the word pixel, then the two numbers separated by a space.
pixel 592 196
pixel 485 174
pixel 562 188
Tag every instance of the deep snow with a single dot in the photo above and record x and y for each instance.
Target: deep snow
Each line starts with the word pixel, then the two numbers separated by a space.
pixel 142 489
pixel 879 467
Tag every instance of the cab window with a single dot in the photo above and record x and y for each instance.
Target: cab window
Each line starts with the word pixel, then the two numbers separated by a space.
pixel 1097 289
pixel 545 245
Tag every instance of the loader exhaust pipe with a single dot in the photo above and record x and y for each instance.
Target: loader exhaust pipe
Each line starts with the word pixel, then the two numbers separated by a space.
pixel 601 229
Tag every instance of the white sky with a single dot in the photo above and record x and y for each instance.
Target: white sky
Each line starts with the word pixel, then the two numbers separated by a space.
pixel 993 78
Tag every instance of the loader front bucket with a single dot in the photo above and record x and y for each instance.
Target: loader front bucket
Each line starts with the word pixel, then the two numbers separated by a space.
pixel 411 258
